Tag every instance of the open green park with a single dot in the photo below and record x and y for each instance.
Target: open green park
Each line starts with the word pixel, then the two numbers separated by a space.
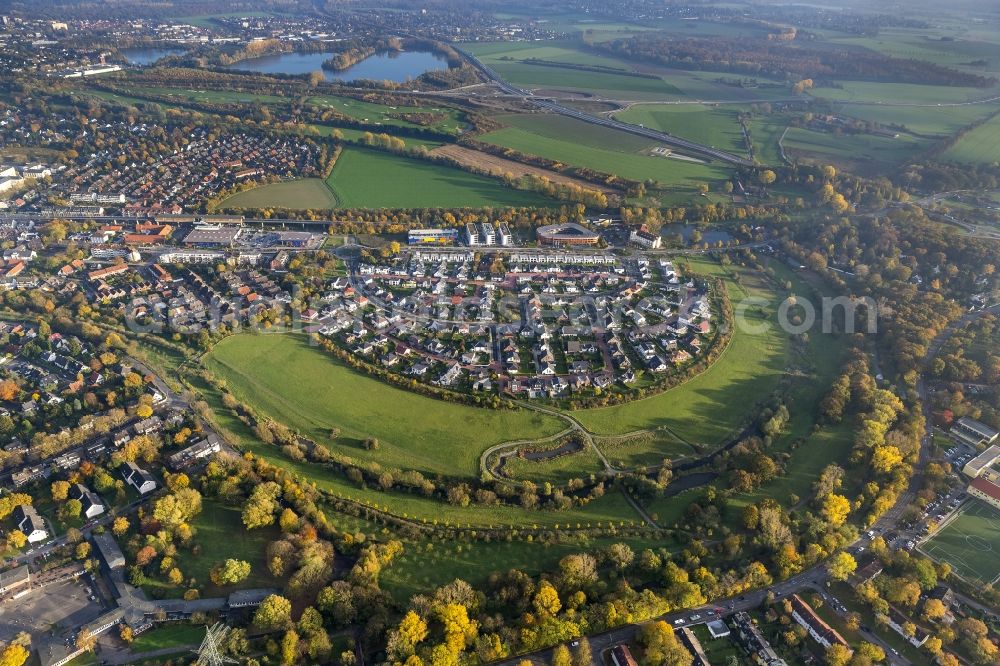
pixel 970 543
pixel 306 388
pixel 220 535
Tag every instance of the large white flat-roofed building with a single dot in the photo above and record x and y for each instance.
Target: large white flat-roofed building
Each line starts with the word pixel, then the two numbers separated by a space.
pixel 973 432
pixel 975 467
pixel 214 235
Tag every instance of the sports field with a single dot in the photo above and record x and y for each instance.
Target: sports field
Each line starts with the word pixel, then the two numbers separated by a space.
pixel 370 179
pixel 710 125
pixel 576 143
pixel 302 193
pixel 970 543
pixel 305 388
pixel 981 145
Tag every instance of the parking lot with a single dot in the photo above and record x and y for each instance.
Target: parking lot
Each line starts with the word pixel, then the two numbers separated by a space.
pixel 50 611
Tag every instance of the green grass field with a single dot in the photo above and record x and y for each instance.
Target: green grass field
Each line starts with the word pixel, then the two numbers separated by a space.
pixel 890 94
pixel 707 409
pixel 713 126
pixel 981 145
pixel 371 112
pixel 935 121
pixel 858 151
pixel 970 544
pixel 307 389
pixel 179 635
pixel 221 535
pixel 576 143
pixel 766 133
pixel 513 61
pixel 370 179
pixel 303 193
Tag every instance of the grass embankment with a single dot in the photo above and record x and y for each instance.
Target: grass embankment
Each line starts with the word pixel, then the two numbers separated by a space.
pixel 298 384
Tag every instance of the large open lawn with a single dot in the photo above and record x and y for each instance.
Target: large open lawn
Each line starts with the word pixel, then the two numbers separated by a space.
pixel 576 143
pixel 302 193
pixel 370 179
pixel 981 145
pixel 295 383
pixel 970 543
pixel 710 125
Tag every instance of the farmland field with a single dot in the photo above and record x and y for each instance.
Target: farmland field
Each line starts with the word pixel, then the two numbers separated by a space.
pixel 713 126
pixel 370 179
pixel 859 151
pixel 577 143
pixel 766 131
pixel 970 543
pixel 981 145
pixel 303 193
pixel 371 112
pixel 537 66
pixel 302 386
pixel 900 93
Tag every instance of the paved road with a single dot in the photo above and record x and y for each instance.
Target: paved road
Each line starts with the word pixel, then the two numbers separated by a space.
pixel 555 107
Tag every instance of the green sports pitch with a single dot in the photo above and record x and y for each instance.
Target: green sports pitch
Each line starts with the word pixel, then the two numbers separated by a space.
pixel 970 543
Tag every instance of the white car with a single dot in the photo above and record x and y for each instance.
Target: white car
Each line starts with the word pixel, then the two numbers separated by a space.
pixel 679 621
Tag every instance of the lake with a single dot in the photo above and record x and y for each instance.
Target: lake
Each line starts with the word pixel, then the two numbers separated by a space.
pixel 147 55
pixel 391 66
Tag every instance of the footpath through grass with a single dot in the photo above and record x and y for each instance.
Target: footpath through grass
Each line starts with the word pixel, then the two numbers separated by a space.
pixel 286 378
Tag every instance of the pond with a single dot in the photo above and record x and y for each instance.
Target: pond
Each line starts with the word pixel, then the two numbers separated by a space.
pixel 396 66
pixel 148 55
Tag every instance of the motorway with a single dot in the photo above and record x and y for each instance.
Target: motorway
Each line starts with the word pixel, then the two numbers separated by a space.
pixel 555 107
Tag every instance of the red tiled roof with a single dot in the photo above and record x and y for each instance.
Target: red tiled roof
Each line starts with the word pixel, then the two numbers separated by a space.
pixel 988 488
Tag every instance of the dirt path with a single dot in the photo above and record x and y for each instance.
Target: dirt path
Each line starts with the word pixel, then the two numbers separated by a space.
pixel 474 158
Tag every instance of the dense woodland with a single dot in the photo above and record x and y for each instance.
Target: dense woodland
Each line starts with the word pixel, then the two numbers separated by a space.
pixel 786 60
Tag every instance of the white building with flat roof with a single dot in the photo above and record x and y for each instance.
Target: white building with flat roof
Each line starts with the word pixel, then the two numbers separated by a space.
pixel 973 432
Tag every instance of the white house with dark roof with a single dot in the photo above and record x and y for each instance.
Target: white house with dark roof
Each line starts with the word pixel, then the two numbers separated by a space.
pixel 92 503
pixel 138 478
pixel 30 523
